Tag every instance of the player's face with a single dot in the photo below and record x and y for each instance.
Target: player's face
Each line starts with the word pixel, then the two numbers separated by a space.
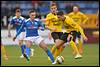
pixel 32 15
pixel 75 9
pixel 18 14
pixel 53 9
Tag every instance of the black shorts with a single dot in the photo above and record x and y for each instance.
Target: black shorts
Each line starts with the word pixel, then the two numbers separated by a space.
pixel 56 35
pixel 75 34
pixel 64 37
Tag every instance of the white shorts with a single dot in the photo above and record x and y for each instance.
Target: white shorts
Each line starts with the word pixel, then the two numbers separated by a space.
pixel 36 39
pixel 21 36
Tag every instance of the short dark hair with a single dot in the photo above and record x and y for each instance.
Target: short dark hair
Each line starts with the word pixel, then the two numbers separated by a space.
pixel 60 13
pixel 31 11
pixel 17 9
pixel 76 6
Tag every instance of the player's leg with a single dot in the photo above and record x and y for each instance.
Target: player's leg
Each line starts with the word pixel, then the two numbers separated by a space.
pixel 22 45
pixel 27 50
pixel 55 36
pixel 40 41
pixel 74 46
pixel 3 51
pixel 53 48
pixel 57 53
pixel 80 43
pixel 61 48
pixel 60 43
pixel 20 38
pixel 77 37
pixel 49 36
pixel 73 43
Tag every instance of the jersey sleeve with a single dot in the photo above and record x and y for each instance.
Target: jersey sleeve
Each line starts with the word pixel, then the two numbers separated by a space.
pixel 48 17
pixel 70 22
pixel 12 21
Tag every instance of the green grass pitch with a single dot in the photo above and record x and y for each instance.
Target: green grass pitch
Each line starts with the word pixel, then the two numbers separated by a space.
pixel 90 57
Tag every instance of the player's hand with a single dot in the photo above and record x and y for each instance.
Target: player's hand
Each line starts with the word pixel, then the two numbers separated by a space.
pixel 14 38
pixel 85 38
pixel 43 20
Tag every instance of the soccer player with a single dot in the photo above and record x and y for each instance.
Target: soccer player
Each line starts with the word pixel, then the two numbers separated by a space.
pixel 55 25
pixel 70 26
pixel 17 21
pixel 80 19
pixel 31 27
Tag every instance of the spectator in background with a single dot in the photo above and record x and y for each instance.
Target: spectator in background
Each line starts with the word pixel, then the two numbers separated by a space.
pixel 36 6
pixel 38 15
pixel 4 13
pixel 69 7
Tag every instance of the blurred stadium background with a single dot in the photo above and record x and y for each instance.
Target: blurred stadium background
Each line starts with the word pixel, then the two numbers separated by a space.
pixel 90 8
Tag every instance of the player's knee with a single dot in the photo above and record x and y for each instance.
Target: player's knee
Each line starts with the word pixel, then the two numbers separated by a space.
pixel 57 46
pixel 20 42
pixel 28 44
pixel 43 45
pixel 45 49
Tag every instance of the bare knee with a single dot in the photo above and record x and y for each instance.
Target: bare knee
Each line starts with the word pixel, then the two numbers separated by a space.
pixel 43 45
pixel 20 42
pixel 28 44
pixel 59 43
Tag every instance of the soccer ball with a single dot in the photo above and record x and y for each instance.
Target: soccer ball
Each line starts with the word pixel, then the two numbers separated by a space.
pixel 60 59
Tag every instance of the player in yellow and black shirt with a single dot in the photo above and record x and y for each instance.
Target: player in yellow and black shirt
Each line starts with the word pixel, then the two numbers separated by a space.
pixel 55 26
pixel 70 26
pixel 78 18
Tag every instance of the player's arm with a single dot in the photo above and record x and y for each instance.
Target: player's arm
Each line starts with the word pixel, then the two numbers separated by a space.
pixel 82 32
pixel 47 23
pixel 19 31
pixel 45 26
pixel 74 25
pixel 48 27
pixel 85 18
pixel 47 20
pixel 70 14
pixel 10 25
